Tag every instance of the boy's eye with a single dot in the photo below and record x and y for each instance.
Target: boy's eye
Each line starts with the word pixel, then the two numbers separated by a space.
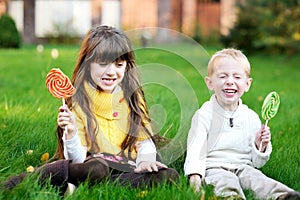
pixel 239 76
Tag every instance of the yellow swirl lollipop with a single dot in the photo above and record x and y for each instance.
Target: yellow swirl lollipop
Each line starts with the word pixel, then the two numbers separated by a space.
pixel 270 108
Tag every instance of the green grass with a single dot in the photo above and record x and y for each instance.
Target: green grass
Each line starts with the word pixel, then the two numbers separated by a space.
pixel 173 80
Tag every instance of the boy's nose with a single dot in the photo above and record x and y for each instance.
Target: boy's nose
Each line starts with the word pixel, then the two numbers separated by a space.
pixel 229 80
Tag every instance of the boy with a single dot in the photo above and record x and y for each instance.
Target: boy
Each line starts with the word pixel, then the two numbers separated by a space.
pixel 225 135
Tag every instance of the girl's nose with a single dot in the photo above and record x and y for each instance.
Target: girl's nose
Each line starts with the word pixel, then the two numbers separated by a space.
pixel 110 69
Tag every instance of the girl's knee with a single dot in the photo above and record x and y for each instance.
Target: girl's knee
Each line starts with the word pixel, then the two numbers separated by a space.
pixel 169 175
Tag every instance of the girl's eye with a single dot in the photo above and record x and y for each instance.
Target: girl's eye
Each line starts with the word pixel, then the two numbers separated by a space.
pixel 103 64
pixel 121 64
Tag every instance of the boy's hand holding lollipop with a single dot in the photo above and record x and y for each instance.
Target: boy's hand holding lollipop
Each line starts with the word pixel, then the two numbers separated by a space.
pixel 269 110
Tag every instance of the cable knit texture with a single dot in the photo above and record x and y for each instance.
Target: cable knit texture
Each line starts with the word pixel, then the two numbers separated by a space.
pixel 112 114
pixel 212 142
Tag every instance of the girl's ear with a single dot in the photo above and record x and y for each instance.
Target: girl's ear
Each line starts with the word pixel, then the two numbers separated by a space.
pixel 209 83
pixel 248 84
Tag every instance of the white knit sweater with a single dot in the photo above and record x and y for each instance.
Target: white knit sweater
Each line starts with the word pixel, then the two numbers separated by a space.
pixel 213 143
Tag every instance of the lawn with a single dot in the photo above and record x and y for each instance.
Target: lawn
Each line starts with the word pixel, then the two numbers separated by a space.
pixel 172 77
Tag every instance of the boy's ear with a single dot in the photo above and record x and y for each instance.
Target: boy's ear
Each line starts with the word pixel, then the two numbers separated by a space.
pixel 209 83
pixel 248 84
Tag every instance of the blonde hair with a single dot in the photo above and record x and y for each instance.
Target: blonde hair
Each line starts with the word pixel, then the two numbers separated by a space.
pixel 229 53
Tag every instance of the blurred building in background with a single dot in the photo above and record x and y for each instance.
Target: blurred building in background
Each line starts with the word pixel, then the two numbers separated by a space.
pixel 77 16
pixel 2 7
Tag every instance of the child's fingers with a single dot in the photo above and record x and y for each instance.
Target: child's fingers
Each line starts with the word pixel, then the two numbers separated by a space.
pixel 143 168
pixel 63 116
pixel 154 167
pixel 149 167
pixel 63 121
pixel 266 138
pixel 63 108
pixel 161 165
pixel 195 182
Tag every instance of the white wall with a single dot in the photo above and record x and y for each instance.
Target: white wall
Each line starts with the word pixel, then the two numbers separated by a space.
pixel 111 13
pixel 72 16
pixel 15 10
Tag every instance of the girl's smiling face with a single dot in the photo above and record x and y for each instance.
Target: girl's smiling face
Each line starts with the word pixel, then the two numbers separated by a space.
pixel 229 81
pixel 108 75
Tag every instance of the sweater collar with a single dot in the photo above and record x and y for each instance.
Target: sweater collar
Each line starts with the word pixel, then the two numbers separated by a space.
pixel 219 109
pixel 107 105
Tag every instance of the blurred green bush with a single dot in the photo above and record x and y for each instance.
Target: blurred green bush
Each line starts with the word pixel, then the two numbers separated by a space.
pixel 272 26
pixel 9 35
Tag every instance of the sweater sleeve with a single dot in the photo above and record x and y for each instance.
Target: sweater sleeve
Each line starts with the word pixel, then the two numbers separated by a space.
pixel 195 162
pixel 73 149
pixel 146 152
pixel 259 159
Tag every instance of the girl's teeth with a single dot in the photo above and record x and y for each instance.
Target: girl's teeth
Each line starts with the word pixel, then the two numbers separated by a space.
pixel 107 79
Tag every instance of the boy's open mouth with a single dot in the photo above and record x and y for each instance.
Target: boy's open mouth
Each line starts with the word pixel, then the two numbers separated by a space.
pixel 230 91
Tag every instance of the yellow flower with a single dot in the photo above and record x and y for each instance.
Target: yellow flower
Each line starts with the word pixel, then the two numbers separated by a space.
pixel 30 169
pixel 30 151
pixel 296 36
pixel 45 157
pixel 142 194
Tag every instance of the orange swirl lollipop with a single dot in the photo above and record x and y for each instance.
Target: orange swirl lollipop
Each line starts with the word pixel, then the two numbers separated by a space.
pixel 58 84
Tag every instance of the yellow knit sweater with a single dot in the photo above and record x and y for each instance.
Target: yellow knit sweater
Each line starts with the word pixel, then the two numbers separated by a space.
pixel 112 114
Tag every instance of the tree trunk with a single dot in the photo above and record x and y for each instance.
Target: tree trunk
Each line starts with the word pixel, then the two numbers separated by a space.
pixel 164 13
pixel 29 22
pixel 6 7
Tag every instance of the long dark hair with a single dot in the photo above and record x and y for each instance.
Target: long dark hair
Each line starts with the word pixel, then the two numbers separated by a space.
pixel 108 44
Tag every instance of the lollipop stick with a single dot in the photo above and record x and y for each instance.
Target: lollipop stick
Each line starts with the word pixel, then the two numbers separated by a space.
pixel 64 103
pixel 260 146
pixel 65 129
pixel 266 124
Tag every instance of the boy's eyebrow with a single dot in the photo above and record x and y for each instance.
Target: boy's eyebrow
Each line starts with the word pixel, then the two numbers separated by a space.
pixel 235 73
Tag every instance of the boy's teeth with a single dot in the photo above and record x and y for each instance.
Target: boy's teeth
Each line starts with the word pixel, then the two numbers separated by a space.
pixel 229 91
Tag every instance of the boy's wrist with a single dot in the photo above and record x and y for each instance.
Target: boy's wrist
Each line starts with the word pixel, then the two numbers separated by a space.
pixel 194 174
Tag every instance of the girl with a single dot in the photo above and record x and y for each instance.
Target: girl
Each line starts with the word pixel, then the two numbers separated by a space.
pixel 108 132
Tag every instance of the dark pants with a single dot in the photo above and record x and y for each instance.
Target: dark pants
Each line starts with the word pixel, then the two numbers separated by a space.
pixel 149 179
pixel 99 170
pixel 94 170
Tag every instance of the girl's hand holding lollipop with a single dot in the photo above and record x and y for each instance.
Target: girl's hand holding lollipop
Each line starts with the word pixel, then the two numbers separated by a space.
pixel 269 108
pixel 59 85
